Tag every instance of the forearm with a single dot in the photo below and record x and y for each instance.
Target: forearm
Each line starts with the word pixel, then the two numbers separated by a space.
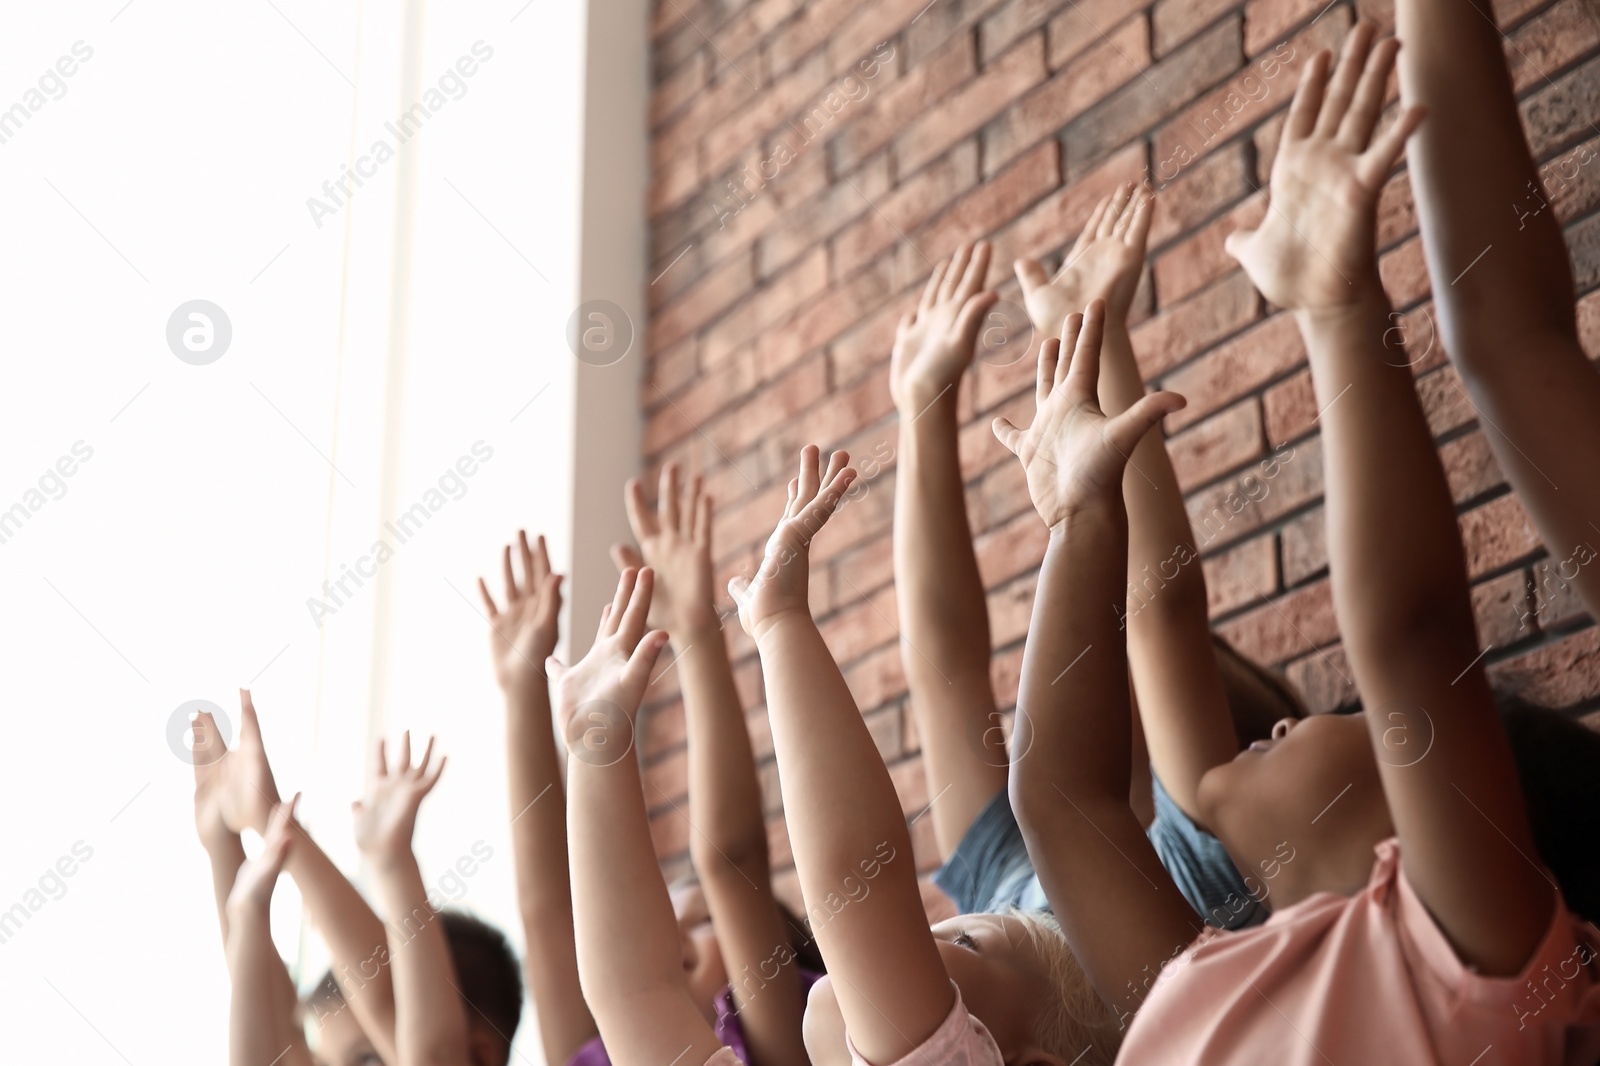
pixel 544 888
pixel 261 1027
pixel 354 935
pixel 225 856
pixel 1182 702
pixel 430 1024
pixel 943 612
pixel 730 838
pixel 1394 547
pixel 1074 735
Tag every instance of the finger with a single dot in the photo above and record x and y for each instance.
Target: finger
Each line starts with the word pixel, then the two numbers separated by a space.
pixel 930 291
pixel 691 510
pixel 638 508
pixel 836 463
pixel 1120 229
pixel 794 491
pixel 1376 162
pixel 541 556
pixel 810 478
pixel 739 589
pixel 1342 86
pixel 819 510
pixel 971 318
pixel 1090 229
pixel 1127 429
pixel 554 669
pixel 509 576
pixel 427 753
pixel 1070 329
pixel 619 603
pixel 1234 243
pixel 667 499
pixel 1307 100
pixel 431 776
pixel 702 521
pixel 550 600
pixel 904 324
pixel 633 618
pixel 645 653
pixel 1138 234
pixel 1083 378
pixel 1049 355
pixel 977 271
pixel 624 556
pixel 1030 274
pixel 1007 434
pixel 1114 210
pixel 205 742
pixel 488 600
pixel 378 765
pixel 402 758
pixel 1367 103
pixel 952 274
pixel 249 724
pixel 530 578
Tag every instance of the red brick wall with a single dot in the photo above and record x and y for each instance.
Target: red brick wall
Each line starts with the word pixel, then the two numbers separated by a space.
pixel 811 163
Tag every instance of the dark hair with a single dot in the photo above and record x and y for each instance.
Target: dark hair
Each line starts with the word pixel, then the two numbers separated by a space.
pixel 490 976
pixel 1558 761
pixel 806 953
pixel 1257 696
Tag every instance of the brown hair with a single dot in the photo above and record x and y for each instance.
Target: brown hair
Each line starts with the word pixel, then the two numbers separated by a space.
pixel 1257 696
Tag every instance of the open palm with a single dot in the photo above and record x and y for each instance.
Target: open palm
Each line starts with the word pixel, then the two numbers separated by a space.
pixel 1104 263
pixel 934 344
pixel 524 634
pixel 675 542
pixel 386 816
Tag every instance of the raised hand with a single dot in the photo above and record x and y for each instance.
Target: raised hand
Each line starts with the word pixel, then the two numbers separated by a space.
pixel 387 815
pixel 233 790
pixel 1073 455
pixel 1314 250
pixel 675 542
pixel 616 668
pixel 781 582
pixel 1104 264
pixel 934 344
pixel 525 633
pixel 252 886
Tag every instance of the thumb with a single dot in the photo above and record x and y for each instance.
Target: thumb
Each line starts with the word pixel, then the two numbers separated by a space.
pixel 1236 241
pixel 739 589
pixel 1007 434
pixel 1128 429
pixel 1030 272
pixel 554 669
pixel 645 653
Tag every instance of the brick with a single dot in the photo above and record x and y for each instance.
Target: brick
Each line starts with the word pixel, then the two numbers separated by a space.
pixel 1228 371
pixel 1010 611
pixel 867 25
pixel 991 205
pixel 1405 273
pixel 1229 110
pixel 1240 576
pixel 1559 674
pixel 889 112
pixel 1304 543
pixel 669 370
pixel 1257 496
pixel 1054 223
pixel 1324 680
pixel 1010 550
pixel 767 113
pixel 823 319
pixel 1397 211
pixel 1583 239
pixel 1009 23
pixel 1184 329
pixel 975 103
pixel 1079 85
pixel 1297 622
pixel 1291 407
pixel 905 208
pixel 1167 86
pixel 1266 22
pixel 1175 21
pixel 678 89
pixel 1496 535
pixel 876 680
pixel 1199 259
pixel 821 217
pixel 1572 182
pixel 1227 440
pixel 1005 675
pixel 1192 195
pixel 1470 467
pixel 1549 42
pixel 765 306
pixel 810 27
pixel 1499 607
pixel 712 294
pixel 1553 596
pixel 746 28
pixel 1083 23
pixel 1559 116
pixel 771 406
pixel 1445 401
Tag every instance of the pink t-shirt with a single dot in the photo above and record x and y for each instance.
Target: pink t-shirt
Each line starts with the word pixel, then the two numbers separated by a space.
pixel 724 1056
pixel 960 1040
pixel 1364 979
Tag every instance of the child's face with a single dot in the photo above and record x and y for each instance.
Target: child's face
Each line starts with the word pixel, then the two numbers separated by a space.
pixel 703 967
pixel 991 959
pixel 337 1040
pixel 1311 790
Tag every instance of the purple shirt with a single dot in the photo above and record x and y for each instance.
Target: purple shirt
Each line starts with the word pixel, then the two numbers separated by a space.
pixel 727 1028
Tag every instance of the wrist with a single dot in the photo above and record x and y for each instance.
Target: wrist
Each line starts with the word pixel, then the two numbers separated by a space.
pixel 774 626
pixel 694 632
pixel 926 403
pixel 387 859
pixel 1098 511
pixel 1365 295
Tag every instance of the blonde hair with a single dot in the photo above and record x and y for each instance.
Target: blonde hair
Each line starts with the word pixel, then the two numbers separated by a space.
pixel 1075 1019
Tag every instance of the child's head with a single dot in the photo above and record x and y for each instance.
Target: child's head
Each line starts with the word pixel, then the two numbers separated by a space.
pixel 703 965
pixel 1257 696
pixel 491 985
pixel 1301 811
pixel 335 1036
pixel 1018 977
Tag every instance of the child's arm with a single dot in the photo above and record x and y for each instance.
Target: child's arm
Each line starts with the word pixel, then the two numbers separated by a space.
pixel 841 808
pixel 521 637
pixel 261 1025
pixel 1399 578
pixel 629 954
pixel 1182 704
pixel 1122 913
pixel 944 642
pixel 354 935
pixel 430 1023
pixel 728 842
